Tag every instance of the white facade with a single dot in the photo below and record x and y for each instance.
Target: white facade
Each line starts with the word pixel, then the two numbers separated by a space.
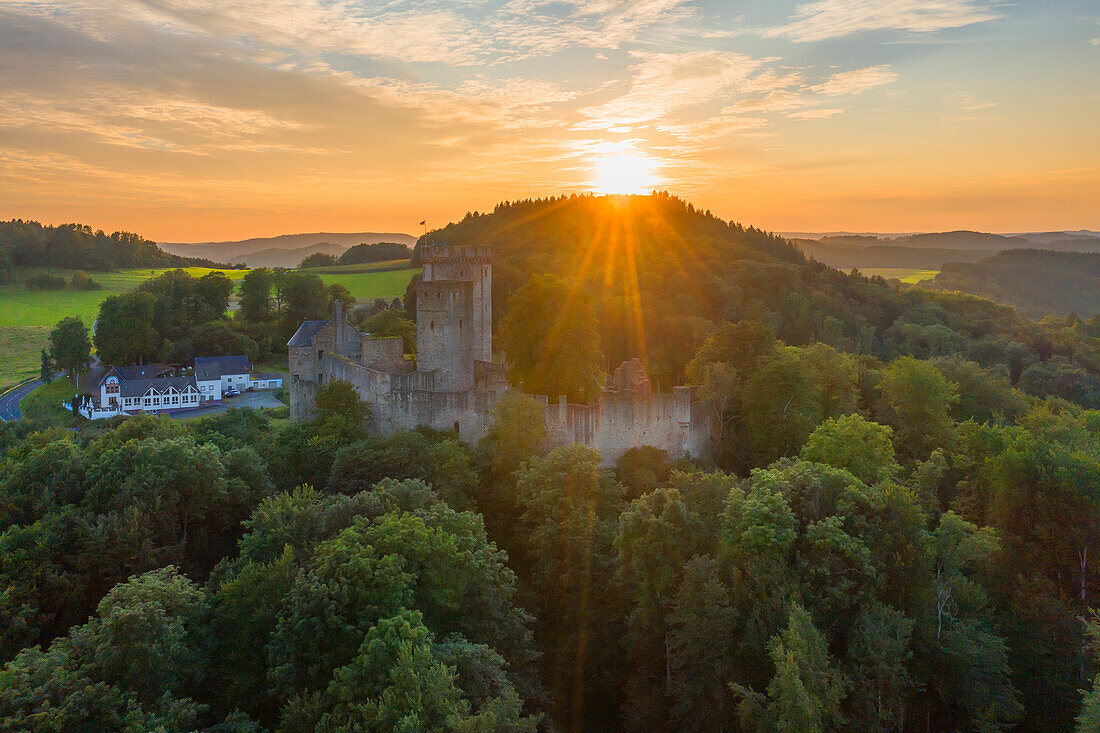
pixel 109 391
pixel 119 396
pixel 210 389
pixel 264 382
pixel 240 381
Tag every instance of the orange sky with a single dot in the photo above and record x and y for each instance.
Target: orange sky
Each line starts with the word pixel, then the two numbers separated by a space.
pixel 198 120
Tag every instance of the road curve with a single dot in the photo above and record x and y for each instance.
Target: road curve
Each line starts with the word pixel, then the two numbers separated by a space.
pixel 9 401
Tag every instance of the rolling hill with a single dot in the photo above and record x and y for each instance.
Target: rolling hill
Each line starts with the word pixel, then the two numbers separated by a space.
pixel 932 250
pixel 285 250
pixel 1038 282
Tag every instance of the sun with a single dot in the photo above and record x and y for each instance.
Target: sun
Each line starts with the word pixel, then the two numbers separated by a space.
pixel 624 173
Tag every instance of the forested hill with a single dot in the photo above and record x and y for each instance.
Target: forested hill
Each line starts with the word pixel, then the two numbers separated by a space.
pixel 664 276
pixel 75 246
pixel 649 260
pixel 1038 282
pixel 931 251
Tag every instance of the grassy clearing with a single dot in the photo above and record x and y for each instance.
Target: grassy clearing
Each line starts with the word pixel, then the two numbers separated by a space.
pixel 361 267
pixel 366 286
pixel 45 402
pixel 909 276
pixel 20 353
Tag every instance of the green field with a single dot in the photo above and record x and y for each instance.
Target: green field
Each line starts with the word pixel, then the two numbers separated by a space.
pixel 900 273
pixel 366 286
pixel 22 307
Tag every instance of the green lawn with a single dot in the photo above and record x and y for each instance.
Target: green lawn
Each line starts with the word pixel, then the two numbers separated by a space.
pixel 45 402
pixel 366 286
pixel 909 276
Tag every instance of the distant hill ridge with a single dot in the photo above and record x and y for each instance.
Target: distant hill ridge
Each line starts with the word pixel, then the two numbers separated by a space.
pixel 285 250
pixel 1039 282
pixel 932 250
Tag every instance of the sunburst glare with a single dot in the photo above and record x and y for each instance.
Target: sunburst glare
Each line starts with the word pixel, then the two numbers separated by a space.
pixel 625 172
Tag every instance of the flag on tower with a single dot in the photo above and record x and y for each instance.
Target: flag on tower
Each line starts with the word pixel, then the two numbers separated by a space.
pixel 424 223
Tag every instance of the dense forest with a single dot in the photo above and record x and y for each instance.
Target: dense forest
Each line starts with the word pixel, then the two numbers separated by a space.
pixel 73 246
pixel 898 529
pixel 1039 282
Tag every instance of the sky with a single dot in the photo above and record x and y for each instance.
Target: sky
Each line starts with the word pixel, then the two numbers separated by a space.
pixel 195 120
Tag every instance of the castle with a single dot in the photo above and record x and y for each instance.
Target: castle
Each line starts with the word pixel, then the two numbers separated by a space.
pixel 454 381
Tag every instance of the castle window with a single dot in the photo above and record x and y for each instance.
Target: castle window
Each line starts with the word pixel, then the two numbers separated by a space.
pixel 432 325
pixel 460 324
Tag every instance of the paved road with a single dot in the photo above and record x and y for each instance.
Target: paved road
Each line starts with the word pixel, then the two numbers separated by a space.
pixel 248 399
pixel 9 401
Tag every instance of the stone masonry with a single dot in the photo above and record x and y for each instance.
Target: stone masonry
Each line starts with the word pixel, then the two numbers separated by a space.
pixel 454 382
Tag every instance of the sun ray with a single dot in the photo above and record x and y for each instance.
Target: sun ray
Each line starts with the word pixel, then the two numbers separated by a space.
pixel 624 172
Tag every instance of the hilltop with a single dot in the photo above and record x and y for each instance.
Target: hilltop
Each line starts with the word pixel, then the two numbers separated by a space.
pixel 285 250
pixel 660 270
pixel 664 276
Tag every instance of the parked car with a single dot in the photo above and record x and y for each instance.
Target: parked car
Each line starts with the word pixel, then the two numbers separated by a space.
pixel 231 392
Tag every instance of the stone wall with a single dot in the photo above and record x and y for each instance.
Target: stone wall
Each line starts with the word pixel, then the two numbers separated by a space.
pixel 385 353
pixel 621 421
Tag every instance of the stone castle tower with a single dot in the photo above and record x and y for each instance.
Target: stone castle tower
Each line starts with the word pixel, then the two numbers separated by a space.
pixel 454 307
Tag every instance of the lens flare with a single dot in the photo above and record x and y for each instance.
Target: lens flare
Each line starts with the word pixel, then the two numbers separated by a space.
pixel 624 173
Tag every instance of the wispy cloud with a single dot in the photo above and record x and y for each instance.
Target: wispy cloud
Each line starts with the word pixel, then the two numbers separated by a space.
pixel 816 114
pixel 965 106
pixel 856 81
pixel 818 21
pixel 666 82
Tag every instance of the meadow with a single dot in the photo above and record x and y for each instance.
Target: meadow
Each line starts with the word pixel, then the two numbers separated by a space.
pixel 367 285
pixel 906 275
pixel 27 316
